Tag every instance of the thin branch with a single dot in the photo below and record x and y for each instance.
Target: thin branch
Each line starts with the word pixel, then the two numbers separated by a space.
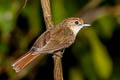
pixel 58 74
pixel 25 2
pixel 47 13
pixel 99 12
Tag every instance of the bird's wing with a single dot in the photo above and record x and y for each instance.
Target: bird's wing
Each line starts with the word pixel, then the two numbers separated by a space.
pixel 60 38
pixel 42 40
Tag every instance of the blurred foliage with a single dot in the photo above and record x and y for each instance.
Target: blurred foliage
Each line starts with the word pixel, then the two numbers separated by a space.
pixel 93 56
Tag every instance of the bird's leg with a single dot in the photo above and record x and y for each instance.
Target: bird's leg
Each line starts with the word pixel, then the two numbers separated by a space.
pixel 63 50
pixel 60 55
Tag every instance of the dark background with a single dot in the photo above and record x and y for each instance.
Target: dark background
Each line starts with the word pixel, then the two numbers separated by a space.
pixel 93 56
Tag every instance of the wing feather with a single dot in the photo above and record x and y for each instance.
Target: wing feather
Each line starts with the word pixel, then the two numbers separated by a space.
pixel 61 37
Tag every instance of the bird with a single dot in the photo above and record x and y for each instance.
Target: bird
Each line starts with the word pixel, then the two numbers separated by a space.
pixel 54 39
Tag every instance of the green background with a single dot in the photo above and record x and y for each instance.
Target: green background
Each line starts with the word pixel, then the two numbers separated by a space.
pixel 93 56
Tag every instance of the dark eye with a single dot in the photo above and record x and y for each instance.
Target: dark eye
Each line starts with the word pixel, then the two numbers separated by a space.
pixel 76 22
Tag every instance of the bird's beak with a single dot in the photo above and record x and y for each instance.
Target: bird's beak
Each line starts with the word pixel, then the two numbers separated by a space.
pixel 86 24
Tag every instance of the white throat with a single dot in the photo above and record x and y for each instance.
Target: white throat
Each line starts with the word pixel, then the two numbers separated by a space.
pixel 76 29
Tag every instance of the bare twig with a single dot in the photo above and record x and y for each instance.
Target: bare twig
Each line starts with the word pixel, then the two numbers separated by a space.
pixel 99 12
pixel 25 2
pixel 58 75
pixel 58 67
pixel 47 13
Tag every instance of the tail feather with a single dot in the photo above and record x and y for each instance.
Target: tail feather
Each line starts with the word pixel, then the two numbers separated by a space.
pixel 19 64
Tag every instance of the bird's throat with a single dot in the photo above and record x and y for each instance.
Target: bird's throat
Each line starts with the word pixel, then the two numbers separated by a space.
pixel 76 29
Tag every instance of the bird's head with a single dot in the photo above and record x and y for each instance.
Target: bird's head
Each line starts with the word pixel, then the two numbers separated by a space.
pixel 75 24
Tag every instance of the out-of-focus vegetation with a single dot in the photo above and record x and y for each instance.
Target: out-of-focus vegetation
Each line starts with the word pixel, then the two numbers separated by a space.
pixel 94 55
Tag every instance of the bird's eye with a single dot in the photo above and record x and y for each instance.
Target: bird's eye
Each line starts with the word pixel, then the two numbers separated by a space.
pixel 76 22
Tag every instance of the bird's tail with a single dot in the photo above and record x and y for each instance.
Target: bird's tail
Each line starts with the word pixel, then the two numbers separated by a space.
pixel 19 64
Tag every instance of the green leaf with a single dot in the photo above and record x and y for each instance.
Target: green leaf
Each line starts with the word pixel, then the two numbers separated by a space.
pixel 101 59
pixel 74 74
pixel 106 26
